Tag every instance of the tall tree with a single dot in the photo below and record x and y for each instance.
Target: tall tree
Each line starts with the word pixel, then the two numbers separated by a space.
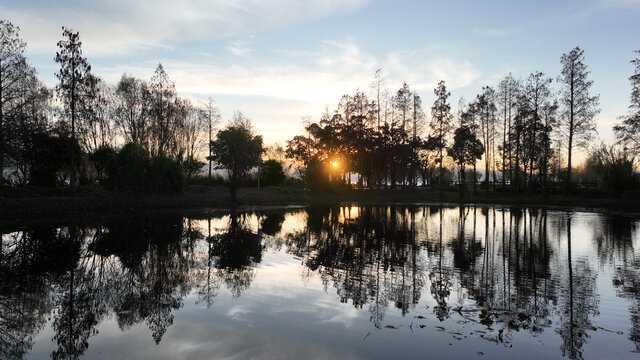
pixel 628 132
pixel 212 116
pixel 441 123
pixel 507 95
pixel 579 106
pixel 74 83
pixel 11 72
pixel 537 92
pixel 163 113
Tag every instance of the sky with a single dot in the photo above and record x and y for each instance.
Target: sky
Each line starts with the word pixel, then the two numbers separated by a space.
pixel 280 60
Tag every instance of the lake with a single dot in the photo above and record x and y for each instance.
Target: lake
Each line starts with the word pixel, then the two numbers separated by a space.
pixel 378 282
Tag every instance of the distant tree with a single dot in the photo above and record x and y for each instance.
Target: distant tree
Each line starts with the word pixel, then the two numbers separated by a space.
pixel 98 128
pixel 484 108
pixel 614 168
pixel 402 104
pixel 212 116
pixel 131 110
pixel 237 150
pixel 11 71
pixel 163 114
pixel 466 150
pixel 537 92
pixel 507 94
pixel 74 86
pixel 628 132
pixel 441 123
pixel 579 106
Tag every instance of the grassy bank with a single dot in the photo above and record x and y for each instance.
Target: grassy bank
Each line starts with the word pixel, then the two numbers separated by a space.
pixel 29 203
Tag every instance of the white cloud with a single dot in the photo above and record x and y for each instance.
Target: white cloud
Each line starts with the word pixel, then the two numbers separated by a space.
pixel 423 71
pixel 113 27
pixel 239 48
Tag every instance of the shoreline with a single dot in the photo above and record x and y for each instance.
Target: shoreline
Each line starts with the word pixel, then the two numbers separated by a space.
pixel 28 205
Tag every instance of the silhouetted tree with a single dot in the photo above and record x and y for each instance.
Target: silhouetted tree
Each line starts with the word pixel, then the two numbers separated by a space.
pixel 441 123
pixel 629 130
pixel 11 71
pixel 466 150
pixel 75 84
pixel 578 105
pixel 237 150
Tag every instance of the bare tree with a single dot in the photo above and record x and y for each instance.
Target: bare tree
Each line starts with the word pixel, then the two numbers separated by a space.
pixel 11 72
pixel 508 90
pixel 131 110
pixel 212 116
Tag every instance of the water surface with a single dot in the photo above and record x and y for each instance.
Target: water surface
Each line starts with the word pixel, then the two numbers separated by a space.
pixel 345 282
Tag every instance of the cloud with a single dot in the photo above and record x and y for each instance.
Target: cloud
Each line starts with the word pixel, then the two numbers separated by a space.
pixel 116 27
pixel 240 48
pixel 424 71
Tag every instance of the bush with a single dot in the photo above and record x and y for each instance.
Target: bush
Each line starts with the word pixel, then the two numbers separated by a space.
pixel 166 175
pixel 132 169
pixel 272 173
pixel 614 169
pixel 101 159
pixel 50 158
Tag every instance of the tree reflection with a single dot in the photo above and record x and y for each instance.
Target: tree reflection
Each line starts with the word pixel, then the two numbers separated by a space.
pixel 503 269
pixel 236 252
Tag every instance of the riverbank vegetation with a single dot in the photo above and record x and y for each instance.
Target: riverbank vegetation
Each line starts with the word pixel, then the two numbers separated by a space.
pixel 138 142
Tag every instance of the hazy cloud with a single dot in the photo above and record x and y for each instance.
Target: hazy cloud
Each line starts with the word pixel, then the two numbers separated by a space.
pixel 115 27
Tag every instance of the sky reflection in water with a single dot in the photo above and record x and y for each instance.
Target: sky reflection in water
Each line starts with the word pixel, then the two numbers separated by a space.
pixel 349 282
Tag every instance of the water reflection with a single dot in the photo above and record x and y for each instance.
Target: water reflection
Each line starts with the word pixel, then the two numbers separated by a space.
pixel 483 273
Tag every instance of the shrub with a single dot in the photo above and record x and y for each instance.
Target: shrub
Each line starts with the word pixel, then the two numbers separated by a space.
pixel 132 169
pixel 272 173
pixel 50 157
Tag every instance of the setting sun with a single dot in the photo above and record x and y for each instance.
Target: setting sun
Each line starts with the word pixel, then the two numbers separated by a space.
pixel 335 164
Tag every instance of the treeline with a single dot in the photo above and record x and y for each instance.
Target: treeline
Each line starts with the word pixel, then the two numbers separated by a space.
pixel 520 135
pixel 136 135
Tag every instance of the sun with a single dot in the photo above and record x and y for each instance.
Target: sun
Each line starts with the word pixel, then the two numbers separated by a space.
pixel 335 164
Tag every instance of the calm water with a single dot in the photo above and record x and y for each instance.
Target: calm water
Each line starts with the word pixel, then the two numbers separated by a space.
pixel 347 283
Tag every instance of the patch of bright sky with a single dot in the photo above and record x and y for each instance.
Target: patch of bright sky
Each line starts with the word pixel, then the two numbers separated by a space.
pixel 277 61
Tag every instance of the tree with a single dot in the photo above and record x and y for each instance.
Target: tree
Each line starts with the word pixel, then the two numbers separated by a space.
pixel 74 86
pixel 508 90
pixel 466 149
pixel 537 93
pixel 628 132
pixel 131 110
pixel 237 150
pixel 441 122
pixel 163 113
pixel 212 115
pixel 11 71
pixel 579 106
